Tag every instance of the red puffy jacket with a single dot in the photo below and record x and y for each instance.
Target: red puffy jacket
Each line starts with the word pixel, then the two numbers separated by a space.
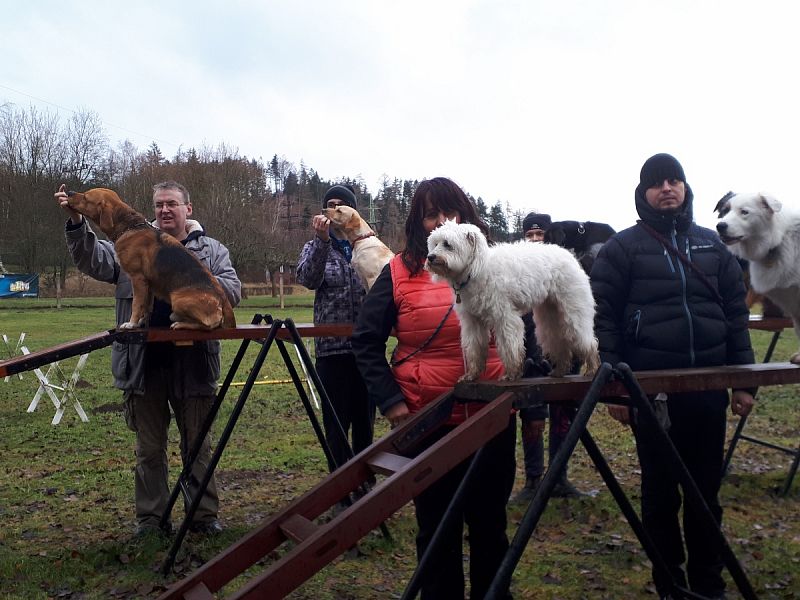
pixel 421 305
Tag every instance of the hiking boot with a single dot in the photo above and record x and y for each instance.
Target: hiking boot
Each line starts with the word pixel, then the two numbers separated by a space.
pixel 213 527
pixel 565 489
pixel 144 530
pixel 526 494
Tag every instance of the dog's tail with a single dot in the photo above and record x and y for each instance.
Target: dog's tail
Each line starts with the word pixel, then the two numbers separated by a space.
pixel 591 362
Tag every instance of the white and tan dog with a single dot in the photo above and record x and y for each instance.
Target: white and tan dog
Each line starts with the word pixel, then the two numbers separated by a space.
pixel 370 254
pixel 757 227
pixel 495 285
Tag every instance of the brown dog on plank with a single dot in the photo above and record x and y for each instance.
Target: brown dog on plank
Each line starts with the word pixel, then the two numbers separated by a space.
pixel 370 254
pixel 157 264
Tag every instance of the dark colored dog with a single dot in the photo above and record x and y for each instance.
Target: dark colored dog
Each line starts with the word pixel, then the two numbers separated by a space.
pixel 157 264
pixel 584 238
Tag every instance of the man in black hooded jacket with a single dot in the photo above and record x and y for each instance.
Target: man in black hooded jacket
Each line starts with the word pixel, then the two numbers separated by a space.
pixel 655 311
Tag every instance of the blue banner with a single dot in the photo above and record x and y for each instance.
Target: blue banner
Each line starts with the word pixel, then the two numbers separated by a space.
pixel 19 285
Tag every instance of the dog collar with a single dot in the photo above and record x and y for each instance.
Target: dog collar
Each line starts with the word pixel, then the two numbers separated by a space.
pixel 141 225
pixel 363 237
pixel 772 256
pixel 458 287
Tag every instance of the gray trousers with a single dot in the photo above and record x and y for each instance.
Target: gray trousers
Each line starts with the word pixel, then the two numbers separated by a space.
pixel 148 414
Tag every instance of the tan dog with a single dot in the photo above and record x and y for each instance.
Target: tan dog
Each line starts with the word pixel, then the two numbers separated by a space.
pixel 157 264
pixel 370 254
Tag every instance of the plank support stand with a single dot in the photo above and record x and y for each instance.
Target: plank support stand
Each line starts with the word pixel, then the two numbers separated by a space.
pixel 12 352
pixel 56 379
pixel 739 435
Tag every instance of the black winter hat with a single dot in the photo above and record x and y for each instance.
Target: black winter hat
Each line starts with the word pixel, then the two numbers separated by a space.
pixel 536 221
pixel 659 167
pixel 342 192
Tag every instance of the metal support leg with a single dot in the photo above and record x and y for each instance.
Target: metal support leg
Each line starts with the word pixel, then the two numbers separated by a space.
pixel 223 441
pixel 502 579
pixel 452 512
pixel 311 375
pixel 690 490
pixel 742 420
pixel 182 484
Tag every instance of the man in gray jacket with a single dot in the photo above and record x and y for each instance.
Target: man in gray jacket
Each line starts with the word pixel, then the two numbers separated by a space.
pixel 157 376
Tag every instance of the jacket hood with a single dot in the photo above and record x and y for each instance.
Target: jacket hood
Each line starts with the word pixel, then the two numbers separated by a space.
pixel 192 226
pixel 663 221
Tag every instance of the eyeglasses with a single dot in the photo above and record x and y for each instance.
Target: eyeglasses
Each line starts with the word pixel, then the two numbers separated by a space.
pixel 334 203
pixel 171 205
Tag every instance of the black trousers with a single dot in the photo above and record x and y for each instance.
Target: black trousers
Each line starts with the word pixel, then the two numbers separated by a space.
pixel 698 432
pixel 349 400
pixel 484 513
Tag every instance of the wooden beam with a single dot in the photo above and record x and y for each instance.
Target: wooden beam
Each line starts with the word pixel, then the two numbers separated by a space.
pixel 574 387
pixel 769 323
pixel 161 334
pixel 37 359
pixel 250 332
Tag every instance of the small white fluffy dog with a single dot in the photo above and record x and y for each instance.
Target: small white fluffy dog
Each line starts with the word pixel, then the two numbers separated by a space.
pixel 757 227
pixel 495 285
pixel 370 254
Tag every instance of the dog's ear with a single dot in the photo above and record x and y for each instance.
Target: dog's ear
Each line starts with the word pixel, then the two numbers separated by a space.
pixel 106 217
pixel 555 235
pixel 721 203
pixel 771 203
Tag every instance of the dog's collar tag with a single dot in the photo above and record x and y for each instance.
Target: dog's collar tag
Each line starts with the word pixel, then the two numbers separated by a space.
pixel 457 289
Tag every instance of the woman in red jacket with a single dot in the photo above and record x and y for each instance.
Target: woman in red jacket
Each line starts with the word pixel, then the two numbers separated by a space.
pixel 427 362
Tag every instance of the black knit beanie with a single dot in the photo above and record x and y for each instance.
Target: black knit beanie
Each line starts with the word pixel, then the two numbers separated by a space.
pixel 659 167
pixel 342 192
pixel 536 221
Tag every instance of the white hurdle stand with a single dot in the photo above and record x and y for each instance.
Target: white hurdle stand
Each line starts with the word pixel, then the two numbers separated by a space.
pixel 63 384
pixel 12 353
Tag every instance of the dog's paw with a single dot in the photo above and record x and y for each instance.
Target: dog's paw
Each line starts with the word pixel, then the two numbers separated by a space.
pixel 468 377
pixel 795 358
pixel 129 325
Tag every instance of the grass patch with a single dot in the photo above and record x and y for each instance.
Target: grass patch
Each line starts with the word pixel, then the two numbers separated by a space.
pixel 66 497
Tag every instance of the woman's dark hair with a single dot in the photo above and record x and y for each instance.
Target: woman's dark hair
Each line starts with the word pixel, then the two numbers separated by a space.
pixel 446 196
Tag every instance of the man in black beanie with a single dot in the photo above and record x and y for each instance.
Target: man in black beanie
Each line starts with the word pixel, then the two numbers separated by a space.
pixel 670 296
pixel 325 266
pixel 534 226
pixel 340 194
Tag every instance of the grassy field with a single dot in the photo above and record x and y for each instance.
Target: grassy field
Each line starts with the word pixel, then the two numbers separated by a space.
pixel 66 491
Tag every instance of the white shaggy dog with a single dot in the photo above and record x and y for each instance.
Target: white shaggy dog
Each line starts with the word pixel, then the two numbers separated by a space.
pixel 757 227
pixel 495 285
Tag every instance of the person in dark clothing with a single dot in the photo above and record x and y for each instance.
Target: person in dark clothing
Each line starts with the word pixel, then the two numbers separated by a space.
pixel 654 311
pixel 532 418
pixel 325 267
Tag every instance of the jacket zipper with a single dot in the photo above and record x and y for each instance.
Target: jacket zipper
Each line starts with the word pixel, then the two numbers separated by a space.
pixel 674 235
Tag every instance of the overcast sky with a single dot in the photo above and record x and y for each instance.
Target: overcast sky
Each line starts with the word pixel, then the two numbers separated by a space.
pixel 546 105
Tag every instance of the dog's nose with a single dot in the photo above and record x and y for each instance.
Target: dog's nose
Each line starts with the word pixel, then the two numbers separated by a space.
pixel 431 257
pixel 722 227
